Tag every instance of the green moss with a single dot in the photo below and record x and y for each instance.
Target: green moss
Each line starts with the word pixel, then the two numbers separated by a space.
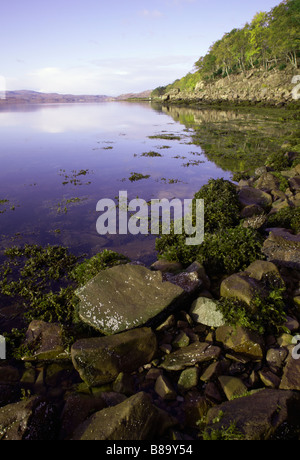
pixel 266 313
pixel 85 271
pixel 230 250
pixel 286 218
pixel 221 205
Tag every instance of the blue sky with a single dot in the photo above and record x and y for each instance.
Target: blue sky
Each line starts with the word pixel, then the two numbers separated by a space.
pixel 111 46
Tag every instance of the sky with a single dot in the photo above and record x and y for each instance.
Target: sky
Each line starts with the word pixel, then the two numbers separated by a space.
pixel 111 47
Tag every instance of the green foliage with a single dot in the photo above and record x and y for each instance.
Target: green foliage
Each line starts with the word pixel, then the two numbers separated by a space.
pixel 278 161
pixel 286 218
pixel 221 205
pixel 230 250
pixel 44 280
pixel 266 313
pixel 227 247
pixel 283 182
pixel 88 269
pixel 39 276
pixel 270 40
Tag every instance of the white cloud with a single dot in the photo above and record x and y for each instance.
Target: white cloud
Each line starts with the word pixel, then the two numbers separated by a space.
pixel 111 77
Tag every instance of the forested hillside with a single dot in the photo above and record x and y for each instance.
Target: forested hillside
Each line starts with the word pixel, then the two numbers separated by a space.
pixel 271 40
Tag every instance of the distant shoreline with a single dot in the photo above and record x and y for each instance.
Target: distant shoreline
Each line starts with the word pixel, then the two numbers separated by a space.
pixel 33 97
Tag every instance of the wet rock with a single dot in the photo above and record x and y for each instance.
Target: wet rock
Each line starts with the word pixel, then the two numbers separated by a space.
pixel 78 407
pixel 124 297
pixel 260 268
pixel 251 211
pixel 204 311
pixel 249 195
pixel 268 378
pixel 188 379
pixel 134 419
pixel 166 266
pixel 267 182
pixel 164 388
pixel 45 340
pixel 99 360
pixel 240 286
pixel 256 416
pixel 241 341
pixel 232 386
pixel 294 183
pixel 275 358
pixel 31 419
pixel 181 340
pixel 189 282
pixel 291 374
pixel 197 352
pixel 283 249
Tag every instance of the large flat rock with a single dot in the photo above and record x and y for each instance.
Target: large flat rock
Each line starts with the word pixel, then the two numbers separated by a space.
pixel 125 297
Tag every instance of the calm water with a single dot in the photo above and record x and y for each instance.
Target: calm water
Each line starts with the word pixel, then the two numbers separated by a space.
pixel 57 161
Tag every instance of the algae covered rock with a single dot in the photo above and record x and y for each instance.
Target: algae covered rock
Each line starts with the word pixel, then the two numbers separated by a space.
pixel 99 360
pixel 242 341
pixel 125 297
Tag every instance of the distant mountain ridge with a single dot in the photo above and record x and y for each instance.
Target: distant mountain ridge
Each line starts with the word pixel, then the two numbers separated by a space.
pixel 35 97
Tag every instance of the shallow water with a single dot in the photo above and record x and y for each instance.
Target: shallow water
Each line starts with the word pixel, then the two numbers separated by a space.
pixel 57 161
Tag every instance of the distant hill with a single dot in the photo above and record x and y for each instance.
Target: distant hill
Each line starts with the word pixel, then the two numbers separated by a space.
pixel 29 97
pixel 142 95
pixel 34 97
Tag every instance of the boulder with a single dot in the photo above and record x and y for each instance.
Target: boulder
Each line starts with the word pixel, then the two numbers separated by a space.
pixel 166 266
pixel 241 341
pixel 232 386
pixel 282 248
pixel 33 420
pixel 291 374
pixel 241 287
pixel 204 311
pixel 267 182
pixel 99 360
pixel 257 416
pixel 259 268
pixel 249 195
pixel 294 183
pixel 135 419
pixel 197 352
pixel 45 341
pixel 125 297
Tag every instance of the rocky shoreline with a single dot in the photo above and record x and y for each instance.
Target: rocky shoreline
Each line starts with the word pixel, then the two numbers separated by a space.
pixel 166 364
pixel 251 87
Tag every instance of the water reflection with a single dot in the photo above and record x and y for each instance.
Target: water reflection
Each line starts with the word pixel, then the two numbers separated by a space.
pixel 102 145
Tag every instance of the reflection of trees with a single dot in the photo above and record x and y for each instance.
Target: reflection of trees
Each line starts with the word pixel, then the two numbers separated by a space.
pixel 234 140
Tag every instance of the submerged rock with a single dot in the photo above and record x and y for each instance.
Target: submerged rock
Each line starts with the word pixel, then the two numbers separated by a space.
pixel 125 297
pixel 99 360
